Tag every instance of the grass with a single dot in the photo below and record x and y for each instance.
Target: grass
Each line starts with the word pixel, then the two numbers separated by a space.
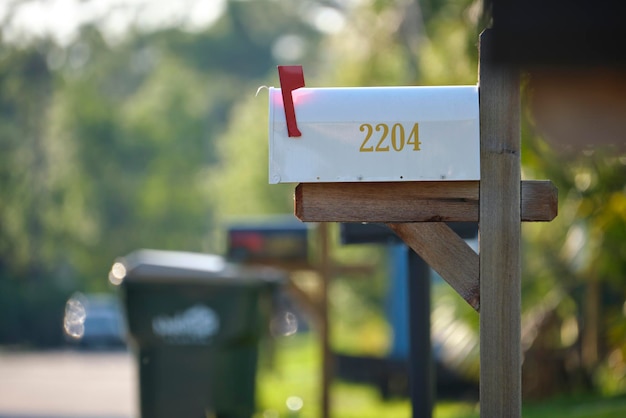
pixel 292 376
pixel 587 406
pixel 288 387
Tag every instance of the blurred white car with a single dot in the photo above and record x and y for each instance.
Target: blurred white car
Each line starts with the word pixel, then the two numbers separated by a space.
pixel 95 321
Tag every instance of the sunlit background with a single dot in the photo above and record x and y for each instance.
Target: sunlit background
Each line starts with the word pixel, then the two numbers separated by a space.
pixel 136 124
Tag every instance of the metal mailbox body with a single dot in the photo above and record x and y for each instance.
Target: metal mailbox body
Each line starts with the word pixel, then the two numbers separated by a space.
pixel 376 134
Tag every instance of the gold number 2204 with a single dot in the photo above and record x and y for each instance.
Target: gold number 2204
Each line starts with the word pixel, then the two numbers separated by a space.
pixel 395 134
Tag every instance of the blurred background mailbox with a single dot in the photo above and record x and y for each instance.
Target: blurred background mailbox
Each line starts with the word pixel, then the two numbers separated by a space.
pixel 279 241
pixel 195 322
pixel 376 134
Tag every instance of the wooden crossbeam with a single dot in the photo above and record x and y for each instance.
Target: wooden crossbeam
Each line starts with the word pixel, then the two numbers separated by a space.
pixel 415 211
pixel 445 201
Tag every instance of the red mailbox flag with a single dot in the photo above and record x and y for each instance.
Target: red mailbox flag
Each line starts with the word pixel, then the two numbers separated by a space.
pixel 291 78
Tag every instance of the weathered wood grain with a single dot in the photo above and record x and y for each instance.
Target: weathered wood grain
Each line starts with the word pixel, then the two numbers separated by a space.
pixel 540 201
pixel 446 253
pixel 454 201
pixel 500 260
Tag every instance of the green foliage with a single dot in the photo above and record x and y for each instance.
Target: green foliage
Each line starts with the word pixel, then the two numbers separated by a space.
pixel 136 156
pixel 580 251
pixel 108 146
pixel 25 160
pixel 240 181
pixel 31 313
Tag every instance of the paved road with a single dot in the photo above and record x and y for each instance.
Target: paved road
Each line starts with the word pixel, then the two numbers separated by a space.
pixel 68 384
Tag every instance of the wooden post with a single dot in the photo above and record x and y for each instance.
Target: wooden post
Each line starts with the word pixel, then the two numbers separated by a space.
pixel 325 272
pixel 499 222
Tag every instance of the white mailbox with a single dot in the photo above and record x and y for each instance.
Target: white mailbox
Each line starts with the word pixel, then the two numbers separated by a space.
pixel 375 134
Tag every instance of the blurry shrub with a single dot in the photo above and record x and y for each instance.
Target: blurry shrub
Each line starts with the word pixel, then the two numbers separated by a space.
pixel 31 313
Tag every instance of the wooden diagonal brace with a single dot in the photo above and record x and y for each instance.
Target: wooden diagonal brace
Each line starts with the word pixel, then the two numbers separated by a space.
pixel 446 253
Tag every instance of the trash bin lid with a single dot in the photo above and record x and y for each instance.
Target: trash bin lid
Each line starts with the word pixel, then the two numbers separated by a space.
pixel 168 266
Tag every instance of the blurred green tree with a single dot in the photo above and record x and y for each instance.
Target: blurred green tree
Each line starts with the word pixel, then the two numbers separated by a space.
pixel 107 143
pixel 34 207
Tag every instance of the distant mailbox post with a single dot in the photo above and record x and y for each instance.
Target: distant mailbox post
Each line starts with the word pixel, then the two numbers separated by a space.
pixel 268 242
pixel 375 134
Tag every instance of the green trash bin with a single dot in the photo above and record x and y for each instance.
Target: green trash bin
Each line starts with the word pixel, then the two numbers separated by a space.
pixel 195 323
